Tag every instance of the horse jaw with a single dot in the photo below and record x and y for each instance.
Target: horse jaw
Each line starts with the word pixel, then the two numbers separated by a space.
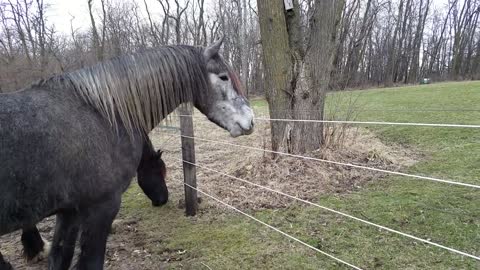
pixel 237 120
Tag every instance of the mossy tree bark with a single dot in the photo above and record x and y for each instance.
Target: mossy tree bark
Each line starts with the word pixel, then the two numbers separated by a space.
pixel 278 63
pixel 297 69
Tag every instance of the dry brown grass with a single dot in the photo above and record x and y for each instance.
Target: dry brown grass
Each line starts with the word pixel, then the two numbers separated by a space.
pixel 306 179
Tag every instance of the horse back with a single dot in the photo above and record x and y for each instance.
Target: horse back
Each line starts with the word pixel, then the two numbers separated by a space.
pixel 57 152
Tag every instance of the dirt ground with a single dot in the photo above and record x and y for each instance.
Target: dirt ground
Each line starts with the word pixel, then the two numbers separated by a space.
pixel 306 179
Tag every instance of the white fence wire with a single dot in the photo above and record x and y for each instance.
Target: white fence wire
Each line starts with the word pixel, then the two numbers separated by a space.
pixel 360 122
pixel 273 228
pixel 335 163
pixel 335 211
pixel 371 123
pixel 338 163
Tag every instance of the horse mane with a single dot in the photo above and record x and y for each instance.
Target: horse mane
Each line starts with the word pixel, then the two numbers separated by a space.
pixel 143 88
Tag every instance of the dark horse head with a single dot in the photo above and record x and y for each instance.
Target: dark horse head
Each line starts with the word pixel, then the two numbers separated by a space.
pixel 151 178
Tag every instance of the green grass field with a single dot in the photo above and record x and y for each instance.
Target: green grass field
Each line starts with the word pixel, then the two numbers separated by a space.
pixel 445 214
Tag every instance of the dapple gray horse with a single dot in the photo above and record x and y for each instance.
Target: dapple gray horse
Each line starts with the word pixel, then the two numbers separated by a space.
pixel 71 144
pixel 151 174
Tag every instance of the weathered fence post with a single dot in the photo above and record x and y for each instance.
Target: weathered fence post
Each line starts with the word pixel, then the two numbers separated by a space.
pixel 188 154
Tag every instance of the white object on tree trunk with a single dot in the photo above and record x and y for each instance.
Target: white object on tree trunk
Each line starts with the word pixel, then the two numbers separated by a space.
pixel 288 4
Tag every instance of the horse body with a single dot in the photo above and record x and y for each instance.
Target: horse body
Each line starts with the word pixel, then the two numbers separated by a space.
pixel 40 143
pixel 70 145
pixel 151 175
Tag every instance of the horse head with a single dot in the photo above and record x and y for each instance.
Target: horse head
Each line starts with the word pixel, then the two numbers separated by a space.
pixel 226 104
pixel 151 178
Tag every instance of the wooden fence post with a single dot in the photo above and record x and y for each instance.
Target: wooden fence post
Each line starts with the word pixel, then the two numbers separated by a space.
pixel 188 154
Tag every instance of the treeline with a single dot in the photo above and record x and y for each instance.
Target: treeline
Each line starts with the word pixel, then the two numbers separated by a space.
pixel 392 42
pixel 379 42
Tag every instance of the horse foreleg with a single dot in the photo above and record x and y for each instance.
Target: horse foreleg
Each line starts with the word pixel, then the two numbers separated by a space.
pixel 96 225
pixel 63 246
pixel 34 247
pixel 4 265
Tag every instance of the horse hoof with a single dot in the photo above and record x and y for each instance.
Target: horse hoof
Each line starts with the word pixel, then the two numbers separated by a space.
pixel 42 255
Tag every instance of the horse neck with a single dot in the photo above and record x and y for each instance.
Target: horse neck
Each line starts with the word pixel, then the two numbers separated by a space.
pixel 147 152
pixel 140 90
pixel 168 111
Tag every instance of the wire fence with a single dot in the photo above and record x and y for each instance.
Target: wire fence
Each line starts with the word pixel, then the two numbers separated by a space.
pixel 364 221
pixel 406 110
pixel 335 211
pixel 360 109
pixel 272 227
pixel 338 163
pixel 440 125
pixel 370 123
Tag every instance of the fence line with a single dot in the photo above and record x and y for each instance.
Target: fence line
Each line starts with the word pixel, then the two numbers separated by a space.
pixel 340 163
pixel 335 211
pixel 362 122
pixel 370 123
pixel 273 228
pixel 194 164
pixel 169 139
pixel 358 109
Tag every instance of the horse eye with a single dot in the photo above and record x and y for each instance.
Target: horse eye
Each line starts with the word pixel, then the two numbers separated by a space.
pixel 223 78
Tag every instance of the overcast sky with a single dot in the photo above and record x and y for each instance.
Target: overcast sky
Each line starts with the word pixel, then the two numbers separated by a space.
pixel 61 12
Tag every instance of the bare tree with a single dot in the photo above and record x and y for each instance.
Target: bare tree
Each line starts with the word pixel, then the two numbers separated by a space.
pixel 379 42
pixel 95 37
pixel 153 28
pixel 298 73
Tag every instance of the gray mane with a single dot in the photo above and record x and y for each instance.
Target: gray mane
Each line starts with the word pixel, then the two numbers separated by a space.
pixel 143 88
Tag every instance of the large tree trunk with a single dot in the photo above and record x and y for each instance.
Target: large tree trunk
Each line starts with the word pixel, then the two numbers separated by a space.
pixel 278 65
pixel 310 94
pixel 297 74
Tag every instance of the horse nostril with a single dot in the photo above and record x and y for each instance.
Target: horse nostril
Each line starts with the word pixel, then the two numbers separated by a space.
pixel 160 202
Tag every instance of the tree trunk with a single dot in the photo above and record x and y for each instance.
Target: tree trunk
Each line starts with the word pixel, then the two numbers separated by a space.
pixel 297 76
pixel 96 39
pixel 278 67
pixel 422 18
pixel 358 49
pixel 242 10
pixel 392 57
pixel 41 35
pixel 153 29
pixel 309 102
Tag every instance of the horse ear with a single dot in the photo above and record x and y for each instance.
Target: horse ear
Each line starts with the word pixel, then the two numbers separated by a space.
pixel 159 154
pixel 213 49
